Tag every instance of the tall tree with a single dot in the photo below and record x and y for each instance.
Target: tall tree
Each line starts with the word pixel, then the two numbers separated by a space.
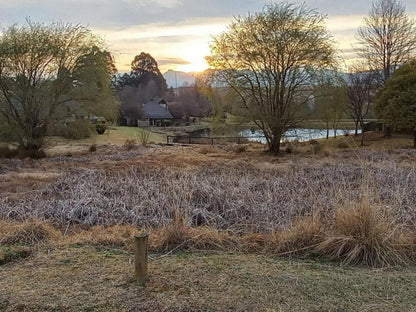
pixel 395 103
pixel 388 37
pixel 270 60
pixel 42 68
pixel 144 82
pixel 145 72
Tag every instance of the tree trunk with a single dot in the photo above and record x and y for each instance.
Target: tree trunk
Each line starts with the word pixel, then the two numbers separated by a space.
pixel 362 137
pixel 414 137
pixel 362 131
pixel 387 132
pixel 274 144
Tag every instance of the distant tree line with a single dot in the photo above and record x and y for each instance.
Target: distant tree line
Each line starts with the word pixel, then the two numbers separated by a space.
pixel 274 68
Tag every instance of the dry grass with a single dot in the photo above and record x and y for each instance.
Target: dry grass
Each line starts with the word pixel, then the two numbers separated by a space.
pixel 117 236
pixel 27 233
pixel 224 201
pixel 301 238
pixel 178 236
pixel 90 279
pixel 366 234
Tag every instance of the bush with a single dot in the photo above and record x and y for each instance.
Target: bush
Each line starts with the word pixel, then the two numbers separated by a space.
pixel 92 148
pixel 144 137
pixel 100 128
pixel 130 144
pixel 79 129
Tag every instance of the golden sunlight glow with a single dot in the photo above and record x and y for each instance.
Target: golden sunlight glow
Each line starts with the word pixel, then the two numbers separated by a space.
pixel 194 53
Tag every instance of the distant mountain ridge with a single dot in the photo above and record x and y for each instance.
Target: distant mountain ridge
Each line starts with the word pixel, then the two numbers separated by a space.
pixel 177 79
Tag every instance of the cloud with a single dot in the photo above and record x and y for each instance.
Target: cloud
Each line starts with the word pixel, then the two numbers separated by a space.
pixel 173 61
pixel 172 30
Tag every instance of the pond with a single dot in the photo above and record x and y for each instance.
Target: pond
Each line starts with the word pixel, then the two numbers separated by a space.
pixel 297 134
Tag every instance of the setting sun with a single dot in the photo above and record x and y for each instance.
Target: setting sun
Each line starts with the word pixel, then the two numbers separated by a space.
pixel 195 54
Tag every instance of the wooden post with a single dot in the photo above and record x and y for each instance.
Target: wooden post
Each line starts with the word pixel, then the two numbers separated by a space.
pixel 140 258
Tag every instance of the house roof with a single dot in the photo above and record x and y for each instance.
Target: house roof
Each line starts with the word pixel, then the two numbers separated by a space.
pixel 154 110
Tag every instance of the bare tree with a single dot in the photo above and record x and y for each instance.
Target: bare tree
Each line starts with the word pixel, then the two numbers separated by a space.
pixel 270 60
pixel 362 85
pixel 388 37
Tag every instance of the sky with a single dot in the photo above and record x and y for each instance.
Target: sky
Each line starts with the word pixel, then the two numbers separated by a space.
pixel 175 32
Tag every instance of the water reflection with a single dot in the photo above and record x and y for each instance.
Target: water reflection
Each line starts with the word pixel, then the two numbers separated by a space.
pixel 297 134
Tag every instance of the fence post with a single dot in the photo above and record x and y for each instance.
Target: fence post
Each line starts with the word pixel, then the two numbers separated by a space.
pixel 140 258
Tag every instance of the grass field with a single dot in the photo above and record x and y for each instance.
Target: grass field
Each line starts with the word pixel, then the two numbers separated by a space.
pixel 324 226
pixel 83 278
pixel 116 136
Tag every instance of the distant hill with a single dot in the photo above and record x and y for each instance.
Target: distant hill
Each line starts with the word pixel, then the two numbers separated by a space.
pixel 178 79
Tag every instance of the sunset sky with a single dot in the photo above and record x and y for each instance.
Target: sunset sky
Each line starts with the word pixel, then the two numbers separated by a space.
pixel 175 32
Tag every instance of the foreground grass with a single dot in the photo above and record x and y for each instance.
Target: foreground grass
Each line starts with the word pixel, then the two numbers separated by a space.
pixel 82 278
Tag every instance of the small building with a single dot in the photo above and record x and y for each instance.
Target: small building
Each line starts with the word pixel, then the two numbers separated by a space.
pixel 156 113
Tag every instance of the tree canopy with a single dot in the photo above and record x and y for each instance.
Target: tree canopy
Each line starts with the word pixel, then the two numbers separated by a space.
pixel 45 67
pixel 396 101
pixel 270 59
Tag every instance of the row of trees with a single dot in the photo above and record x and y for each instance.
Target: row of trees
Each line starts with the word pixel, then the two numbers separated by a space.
pixel 49 73
pixel 278 65
pixel 275 61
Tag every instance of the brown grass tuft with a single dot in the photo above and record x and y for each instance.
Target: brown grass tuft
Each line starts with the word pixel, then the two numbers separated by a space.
pixel 365 234
pixel 301 238
pixel 26 233
pixel 177 236
pixel 121 236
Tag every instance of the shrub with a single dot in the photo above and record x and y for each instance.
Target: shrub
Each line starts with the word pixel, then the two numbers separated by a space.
pixel 144 137
pixel 130 144
pixel 92 148
pixel 79 129
pixel 100 128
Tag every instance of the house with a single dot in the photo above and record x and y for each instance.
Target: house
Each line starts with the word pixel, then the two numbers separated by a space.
pixel 156 113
